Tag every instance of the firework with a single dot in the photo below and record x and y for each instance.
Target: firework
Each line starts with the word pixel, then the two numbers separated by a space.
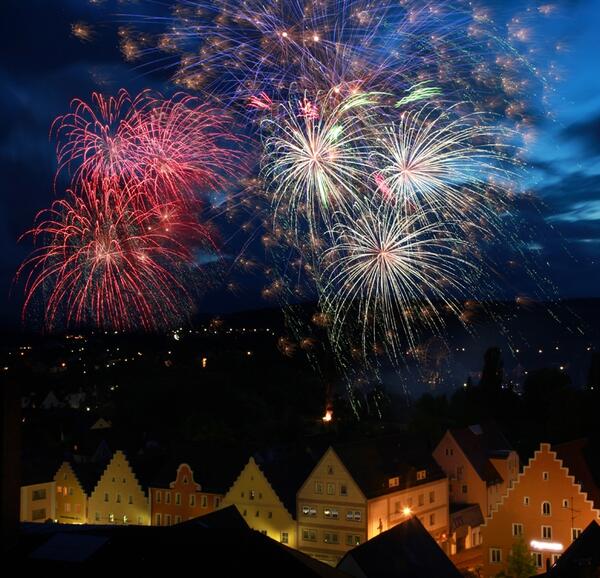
pixel 172 148
pixel 101 260
pixel 382 266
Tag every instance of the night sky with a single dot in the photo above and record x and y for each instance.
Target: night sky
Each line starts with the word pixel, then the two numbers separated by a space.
pixel 44 66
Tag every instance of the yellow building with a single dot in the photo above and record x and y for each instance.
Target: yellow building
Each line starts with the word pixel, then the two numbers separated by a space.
pixel 358 491
pixel 260 505
pixel 546 507
pixel 71 499
pixel 118 497
pixel 38 502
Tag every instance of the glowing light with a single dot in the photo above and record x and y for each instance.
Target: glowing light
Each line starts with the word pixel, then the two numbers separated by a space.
pixel 407 511
pixel 328 415
pixel 546 546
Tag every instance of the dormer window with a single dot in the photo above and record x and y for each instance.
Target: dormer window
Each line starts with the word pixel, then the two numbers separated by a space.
pixel 421 474
pixel 394 482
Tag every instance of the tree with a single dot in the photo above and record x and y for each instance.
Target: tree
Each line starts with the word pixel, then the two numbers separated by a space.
pixel 520 562
pixel 492 373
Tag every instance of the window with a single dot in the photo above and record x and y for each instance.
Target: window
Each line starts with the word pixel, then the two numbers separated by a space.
pixel 555 557
pixel 185 480
pixel 178 499
pixel 350 515
pixel 343 490
pixel 178 519
pixel 565 503
pixel 118 498
pixel 38 514
pixel 309 535
pixel 217 501
pixel 431 497
pixel 421 499
pixel 257 514
pixel 546 509
pixel 167 497
pixel 547 532
pixel 244 512
pixel 330 470
pixel 204 501
pixel 421 474
pixel 309 510
pixel 39 495
pixel 538 559
pixel 449 452
pixel 432 519
pixel 357 516
pixel 284 538
pixel 168 520
pixel 105 497
pixel 97 516
pixel 111 518
pixel 330 489
pixel 67 508
pixel 130 500
pixel 495 556
pixel 192 500
pixel 158 497
pixel 318 487
pixel 464 489
pixel 58 489
pixel 70 490
pixel 526 500
pixel 78 508
pixel 125 519
pixel 393 482
pixel 459 472
pixel 517 529
pixel 158 519
pixel 352 540
pixel 545 476
pixel 575 533
pixel 331 513
pixel 252 494
pixel 330 538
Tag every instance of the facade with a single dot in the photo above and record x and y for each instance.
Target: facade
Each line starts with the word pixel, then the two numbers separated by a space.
pixel 38 502
pixel 546 507
pixel 182 500
pixel 71 499
pixel 261 507
pixel 118 497
pixel 480 465
pixel 356 493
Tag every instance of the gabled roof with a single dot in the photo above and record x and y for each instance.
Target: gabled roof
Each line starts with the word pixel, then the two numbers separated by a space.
pixel 373 462
pixel 581 558
pixel 404 551
pixel 583 461
pixel 479 443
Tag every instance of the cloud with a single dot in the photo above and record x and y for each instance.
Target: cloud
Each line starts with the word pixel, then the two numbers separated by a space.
pixel 587 134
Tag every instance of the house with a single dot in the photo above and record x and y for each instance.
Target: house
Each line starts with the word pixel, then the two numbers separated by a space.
pixel 253 494
pixel 358 491
pixel 118 497
pixel 480 464
pixel 405 551
pixel 546 507
pixel 38 491
pixel 581 559
pixel 181 499
pixel 71 497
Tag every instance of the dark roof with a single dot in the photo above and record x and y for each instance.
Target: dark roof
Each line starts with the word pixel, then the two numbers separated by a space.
pixel 479 443
pixel 231 548
pixel 373 462
pixel 582 558
pixel 465 515
pixel 286 470
pixel 583 461
pixel 404 551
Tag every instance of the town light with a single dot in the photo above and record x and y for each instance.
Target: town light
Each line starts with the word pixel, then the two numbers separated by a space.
pixel 328 415
pixel 407 511
pixel 546 546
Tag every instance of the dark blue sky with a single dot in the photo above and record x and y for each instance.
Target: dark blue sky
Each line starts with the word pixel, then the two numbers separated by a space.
pixel 44 67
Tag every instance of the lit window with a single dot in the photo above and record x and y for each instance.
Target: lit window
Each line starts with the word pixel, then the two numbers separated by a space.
pixel 421 474
pixel 125 519
pixel 546 509
pixel 517 529
pixel 284 538
pixel 393 482
pixel 495 555
pixel 305 510
pixel 547 532
pixel 357 516
pixel 58 490
pixel 111 518
pixel 350 515
pixel 565 503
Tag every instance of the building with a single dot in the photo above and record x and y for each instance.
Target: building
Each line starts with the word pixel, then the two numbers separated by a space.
pixel 359 491
pixel 480 464
pixel 261 507
pixel 118 497
pixel 38 492
pixel 407 550
pixel 182 499
pixel 546 507
pixel 71 497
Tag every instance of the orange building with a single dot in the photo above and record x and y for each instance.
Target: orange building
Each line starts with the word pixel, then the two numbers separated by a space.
pixel 546 507
pixel 183 499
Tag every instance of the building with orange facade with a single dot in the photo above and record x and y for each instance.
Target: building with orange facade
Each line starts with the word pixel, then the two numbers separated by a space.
pixel 182 499
pixel 358 491
pixel 547 507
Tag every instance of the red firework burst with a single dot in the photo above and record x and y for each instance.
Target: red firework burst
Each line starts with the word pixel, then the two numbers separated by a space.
pixel 172 148
pixel 105 261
